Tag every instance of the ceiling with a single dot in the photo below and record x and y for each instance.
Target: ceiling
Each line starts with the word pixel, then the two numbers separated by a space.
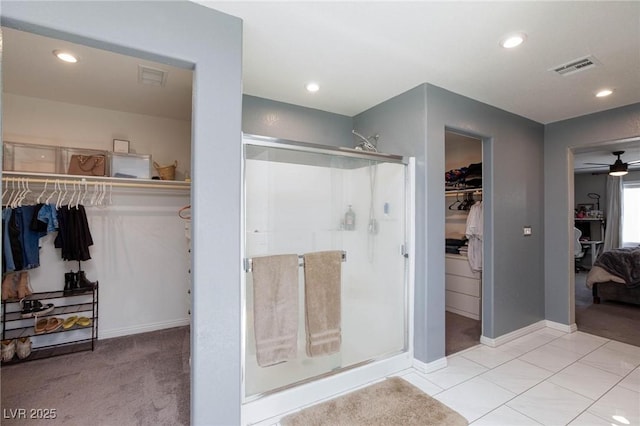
pixel 100 78
pixel 365 52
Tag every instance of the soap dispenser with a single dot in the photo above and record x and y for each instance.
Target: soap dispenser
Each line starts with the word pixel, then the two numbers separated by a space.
pixel 350 220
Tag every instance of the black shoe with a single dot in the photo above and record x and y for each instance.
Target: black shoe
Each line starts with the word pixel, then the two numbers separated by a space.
pixel 70 282
pixel 31 308
pixel 83 284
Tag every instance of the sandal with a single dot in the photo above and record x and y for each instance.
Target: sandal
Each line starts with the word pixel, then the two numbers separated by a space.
pixel 41 325
pixel 53 324
pixel 70 322
pixel 84 321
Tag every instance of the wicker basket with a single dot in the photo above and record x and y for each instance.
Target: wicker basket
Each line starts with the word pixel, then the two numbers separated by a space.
pixel 166 172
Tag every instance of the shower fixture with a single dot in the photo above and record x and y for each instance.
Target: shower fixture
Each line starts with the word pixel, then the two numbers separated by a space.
pixel 366 144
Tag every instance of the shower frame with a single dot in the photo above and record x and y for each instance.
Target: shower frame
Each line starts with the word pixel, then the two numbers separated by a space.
pixel 267 404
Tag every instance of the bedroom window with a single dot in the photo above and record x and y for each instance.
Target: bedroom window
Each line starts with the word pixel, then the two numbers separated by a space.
pixel 630 209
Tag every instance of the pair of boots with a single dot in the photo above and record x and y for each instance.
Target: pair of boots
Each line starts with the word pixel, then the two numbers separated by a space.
pixel 21 346
pixel 77 282
pixel 15 285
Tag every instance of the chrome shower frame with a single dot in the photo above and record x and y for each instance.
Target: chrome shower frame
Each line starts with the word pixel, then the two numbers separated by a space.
pixel 278 396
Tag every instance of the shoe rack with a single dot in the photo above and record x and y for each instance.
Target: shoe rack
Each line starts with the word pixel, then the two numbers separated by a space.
pixel 58 340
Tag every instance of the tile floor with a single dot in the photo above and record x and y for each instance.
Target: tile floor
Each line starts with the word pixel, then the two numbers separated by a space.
pixel 547 377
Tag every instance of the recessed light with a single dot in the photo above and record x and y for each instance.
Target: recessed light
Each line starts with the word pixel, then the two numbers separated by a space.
pixel 604 93
pixel 65 56
pixel 312 87
pixel 513 40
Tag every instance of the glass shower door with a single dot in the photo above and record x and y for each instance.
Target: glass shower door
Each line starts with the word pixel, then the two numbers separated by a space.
pixel 298 202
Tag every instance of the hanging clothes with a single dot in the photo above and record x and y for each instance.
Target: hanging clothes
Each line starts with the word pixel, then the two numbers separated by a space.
pixel 20 239
pixel 74 236
pixel 474 234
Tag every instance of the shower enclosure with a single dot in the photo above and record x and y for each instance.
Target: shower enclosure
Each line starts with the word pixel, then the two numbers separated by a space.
pixel 301 198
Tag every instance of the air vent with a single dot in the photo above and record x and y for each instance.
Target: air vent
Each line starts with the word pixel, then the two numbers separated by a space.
pixel 575 66
pixel 151 76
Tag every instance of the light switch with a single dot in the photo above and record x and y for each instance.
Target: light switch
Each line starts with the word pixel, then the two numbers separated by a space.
pixel 526 231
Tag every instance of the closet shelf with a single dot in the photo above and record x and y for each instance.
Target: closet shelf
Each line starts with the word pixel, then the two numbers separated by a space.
pixel 42 178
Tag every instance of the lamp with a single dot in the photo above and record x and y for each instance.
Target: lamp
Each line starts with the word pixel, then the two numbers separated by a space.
pixel 618 168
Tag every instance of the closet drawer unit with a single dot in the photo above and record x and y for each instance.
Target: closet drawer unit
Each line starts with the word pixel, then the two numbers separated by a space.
pixel 459 265
pixel 464 285
pixel 462 304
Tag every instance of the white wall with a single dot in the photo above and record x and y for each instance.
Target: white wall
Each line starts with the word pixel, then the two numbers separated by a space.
pixel 41 121
pixel 140 251
pixel 139 257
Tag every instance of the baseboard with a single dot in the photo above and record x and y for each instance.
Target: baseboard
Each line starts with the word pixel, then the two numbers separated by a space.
pixel 513 335
pixel 429 367
pixel 561 327
pixel 127 331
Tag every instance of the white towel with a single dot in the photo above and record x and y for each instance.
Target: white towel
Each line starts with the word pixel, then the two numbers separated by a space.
pixel 322 276
pixel 275 308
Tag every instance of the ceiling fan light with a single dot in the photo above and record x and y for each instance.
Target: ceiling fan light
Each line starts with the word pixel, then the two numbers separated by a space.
pixel 618 168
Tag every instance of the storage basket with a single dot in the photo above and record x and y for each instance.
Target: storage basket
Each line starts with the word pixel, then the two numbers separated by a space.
pixel 166 172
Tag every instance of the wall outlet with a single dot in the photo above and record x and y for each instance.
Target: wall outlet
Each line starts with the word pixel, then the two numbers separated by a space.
pixel 526 231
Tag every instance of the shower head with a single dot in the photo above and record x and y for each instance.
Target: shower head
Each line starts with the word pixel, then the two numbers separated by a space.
pixel 366 145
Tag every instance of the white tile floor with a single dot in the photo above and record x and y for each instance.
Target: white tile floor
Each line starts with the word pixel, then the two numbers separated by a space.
pixel 547 377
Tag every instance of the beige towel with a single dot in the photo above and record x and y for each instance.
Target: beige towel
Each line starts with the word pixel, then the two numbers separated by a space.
pixel 275 308
pixel 322 302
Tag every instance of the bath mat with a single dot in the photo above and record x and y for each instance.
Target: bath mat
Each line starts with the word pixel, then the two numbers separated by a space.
pixel 393 401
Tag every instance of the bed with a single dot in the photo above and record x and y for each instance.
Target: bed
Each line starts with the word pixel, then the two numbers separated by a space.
pixel 615 275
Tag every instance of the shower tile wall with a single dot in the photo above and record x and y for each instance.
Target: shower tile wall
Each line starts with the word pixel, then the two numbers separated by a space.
pixel 294 208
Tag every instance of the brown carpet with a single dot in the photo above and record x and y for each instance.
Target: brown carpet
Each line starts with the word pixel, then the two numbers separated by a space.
pixel 612 320
pixel 142 379
pixel 461 333
pixel 390 402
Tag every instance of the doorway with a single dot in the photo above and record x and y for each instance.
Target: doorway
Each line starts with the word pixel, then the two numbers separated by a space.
pixel 611 318
pixel 89 114
pixel 463 237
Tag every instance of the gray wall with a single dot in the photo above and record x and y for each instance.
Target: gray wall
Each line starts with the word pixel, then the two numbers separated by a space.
pixel 280 120
pixel 184 34
pixel 604 128
pixel 414 124
pixel 584 183
pixel 513 294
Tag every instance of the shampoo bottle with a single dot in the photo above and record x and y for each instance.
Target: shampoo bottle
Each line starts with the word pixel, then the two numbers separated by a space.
pixel 350 220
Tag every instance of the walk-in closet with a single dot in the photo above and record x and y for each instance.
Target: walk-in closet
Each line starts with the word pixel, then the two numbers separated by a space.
pixel 463 244
pixel 111 135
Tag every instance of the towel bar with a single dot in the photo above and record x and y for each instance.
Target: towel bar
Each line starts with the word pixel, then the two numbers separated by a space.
pixel 248 261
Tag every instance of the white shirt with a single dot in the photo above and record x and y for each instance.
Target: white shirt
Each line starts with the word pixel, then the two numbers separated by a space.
pixel 474 234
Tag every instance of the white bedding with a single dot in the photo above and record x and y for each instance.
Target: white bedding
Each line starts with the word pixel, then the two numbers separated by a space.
pixel 600 275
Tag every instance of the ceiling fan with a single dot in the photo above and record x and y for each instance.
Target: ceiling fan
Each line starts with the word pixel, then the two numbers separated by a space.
pixel 618 168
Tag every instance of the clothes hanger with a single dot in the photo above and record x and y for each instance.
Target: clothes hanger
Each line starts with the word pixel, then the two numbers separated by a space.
pixel 46 181
pixel 182 211
pixel 454 203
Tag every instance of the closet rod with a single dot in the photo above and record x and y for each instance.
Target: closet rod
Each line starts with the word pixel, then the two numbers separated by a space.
pixel 248 262
pixel 81 180
pixel 452 192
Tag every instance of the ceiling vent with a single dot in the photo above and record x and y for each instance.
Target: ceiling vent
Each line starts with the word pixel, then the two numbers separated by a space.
pixel 575 66
pixel 151 76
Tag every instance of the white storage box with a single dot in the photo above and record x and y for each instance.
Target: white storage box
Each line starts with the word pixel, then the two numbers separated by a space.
pixel 130 165
pixel 25 157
